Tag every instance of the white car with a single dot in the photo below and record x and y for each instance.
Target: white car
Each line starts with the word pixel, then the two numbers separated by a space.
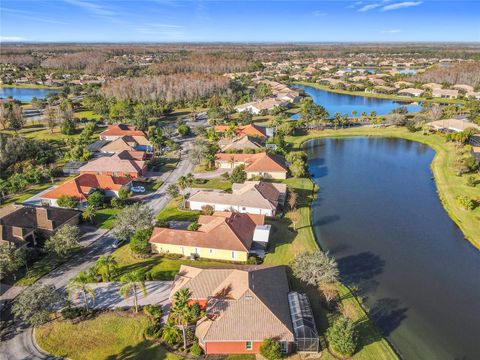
pixel 117 243
pixel 138 189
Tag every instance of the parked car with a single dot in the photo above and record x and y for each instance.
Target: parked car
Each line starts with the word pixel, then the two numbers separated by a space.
pixel 116 244
pixel 138 189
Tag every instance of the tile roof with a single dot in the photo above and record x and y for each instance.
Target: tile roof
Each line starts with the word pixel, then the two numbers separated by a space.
pixel 244 302
pixel 243 130
pixel 125 143
pixel 222 230
pixel 83 184
pixel 261 162
pixel 121 130
pixel 240 143
pixel 122 162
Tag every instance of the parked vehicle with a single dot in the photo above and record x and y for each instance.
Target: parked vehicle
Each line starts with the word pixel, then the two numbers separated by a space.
pixel 138 189
pixel 116 244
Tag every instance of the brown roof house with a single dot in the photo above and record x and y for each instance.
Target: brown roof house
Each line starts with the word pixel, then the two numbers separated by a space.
pixel 245 305
pixel 128 143
pixel 221 236
pixel 240 143
pixel 445 93
pixel 114 132
pixel 124 164
pixel 20 224
pixel 252 197
pixel 244 130
pixel 264 165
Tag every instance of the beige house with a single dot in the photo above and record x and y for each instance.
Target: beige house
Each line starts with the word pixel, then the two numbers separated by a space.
pixel 456 125
pixel 128 143
pixel 252 197
pixel 445 93
pixel 256 107
pixel 411 92
pixel 222 236
pixel 264 165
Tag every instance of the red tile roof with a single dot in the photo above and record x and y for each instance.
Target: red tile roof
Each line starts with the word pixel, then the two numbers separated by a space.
pixel 261 162
pixel 124 162
pixel 244 130
pixel 122 130
pixel 81 186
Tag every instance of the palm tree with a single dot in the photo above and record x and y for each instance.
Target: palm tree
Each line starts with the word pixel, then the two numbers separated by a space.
pixel 80 283
pixel 107 266
pixel 194 104
pixel 182 297
pixel 181 313
pixel 170 334
pixel 134 282
pixel 89 213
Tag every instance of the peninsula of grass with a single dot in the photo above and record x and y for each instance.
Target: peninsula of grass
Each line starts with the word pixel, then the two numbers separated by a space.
pixel 110 335
pixel 406 99
pixel 449 185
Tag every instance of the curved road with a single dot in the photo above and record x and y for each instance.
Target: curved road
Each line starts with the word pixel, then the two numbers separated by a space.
pixel 17 338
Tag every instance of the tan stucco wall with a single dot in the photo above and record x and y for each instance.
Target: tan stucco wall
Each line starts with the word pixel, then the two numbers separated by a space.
pixel 267 175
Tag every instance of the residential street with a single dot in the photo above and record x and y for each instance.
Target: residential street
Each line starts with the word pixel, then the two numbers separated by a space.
pixel 16 339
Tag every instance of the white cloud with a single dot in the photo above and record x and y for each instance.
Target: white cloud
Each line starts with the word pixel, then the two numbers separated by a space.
pixel 11 38
pixel 391 31
pixel 93 8
pixel 369 7
pixel 402 5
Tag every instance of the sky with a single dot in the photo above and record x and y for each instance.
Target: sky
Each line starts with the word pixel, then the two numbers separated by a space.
pixel 239 21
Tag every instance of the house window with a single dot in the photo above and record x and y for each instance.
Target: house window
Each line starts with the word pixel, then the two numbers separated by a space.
pixel 234 255
pixel 197 251
pixel 244 208
pixel 284 346
pixel 249 345
pixel 212 251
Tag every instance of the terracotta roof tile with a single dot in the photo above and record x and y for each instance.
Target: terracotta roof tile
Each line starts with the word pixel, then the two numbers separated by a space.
pixel 261 162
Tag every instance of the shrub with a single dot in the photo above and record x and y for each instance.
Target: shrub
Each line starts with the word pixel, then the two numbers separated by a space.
pixel 153 311
pixel 207 209
pixel 67 127
pixel 238 174
pixel 116 203
pixel 70 313
pixel 67 201
pixel 139 241
pixel 471 181
pixel 153 331
pixel 466 202
pixel 195 349
pixel 97 199
pixel 183 130
pixel 252 260
pixel 193 226
pixel 342 336
pixel 270 349
pixel 124 193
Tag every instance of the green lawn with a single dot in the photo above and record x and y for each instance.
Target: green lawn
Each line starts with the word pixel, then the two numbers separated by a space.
pixel 155 267
pixel 381 96
pixel 105 217
pixel 30 86
pixel 107 336
pixel 172 212
pixel 449 185
pixel 219 184
pixel 89 115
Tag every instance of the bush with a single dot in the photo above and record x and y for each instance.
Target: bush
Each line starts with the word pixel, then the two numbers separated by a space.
pixel 124 193
pixel 207 210
pixel 67 127
pixel 270 349
pixel 195 349
pixel 139 241
pixel 70 313
pixel 238 174
pixel 154 312
pixel 193 226
pixel 471 181
pixel 183 130
pixel 153 331
pixel 67 201
pixel 252 260
pixel 466 202
pixel 116 203
pixel 97 199
pixel 342 336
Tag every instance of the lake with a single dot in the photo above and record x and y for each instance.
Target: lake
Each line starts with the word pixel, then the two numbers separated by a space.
pixel 345 104
pixel 25 94
pixel 379 215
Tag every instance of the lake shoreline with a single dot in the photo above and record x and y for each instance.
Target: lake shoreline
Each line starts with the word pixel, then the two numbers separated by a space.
pixel 29 86
pixel 435 166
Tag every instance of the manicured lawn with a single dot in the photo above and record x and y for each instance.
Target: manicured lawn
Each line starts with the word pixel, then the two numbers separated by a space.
pixel 449 185
pixel 172 212
pixel 219 184
pixel 89 115
pixel 155 267
pixel 39 131
pixel 112 335
pixel 105 217
pixel 381 96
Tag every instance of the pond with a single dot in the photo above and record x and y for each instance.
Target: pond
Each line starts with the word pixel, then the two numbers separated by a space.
pixel 345 104
pixel 379 215
pixel 25 94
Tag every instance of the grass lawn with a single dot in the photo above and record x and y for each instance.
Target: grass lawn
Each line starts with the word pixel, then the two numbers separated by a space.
pixel 381 96
pixel 156 267
pixel 449 185
pixel 89 115
pixel 172 212
pixel 39 131
pixel 30 86
pixel 219 184
pixel 111 335
pixel 105 217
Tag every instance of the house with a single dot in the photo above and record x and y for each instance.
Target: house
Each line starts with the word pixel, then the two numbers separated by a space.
pixel 463 87
pixel 21 224
pixel 474 95
pixel 83 185
pixel 221 236
pixel 256 107
pixel 252 197
pixel 262 164
pixel 444 93
pixel 456 125
pixel 240 143
pixel 402 84
pixel 124 164
pixel 432 86
pixel 114 132
pixel 128 142
pixel 244 305
pixel 411 92
pixel 244 130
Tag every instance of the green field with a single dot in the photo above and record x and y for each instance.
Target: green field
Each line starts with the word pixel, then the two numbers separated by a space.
pixel 30 86
pixel 449 185
pixel 172 212
pixel 381 96
pixel 110 335
pixel 219 184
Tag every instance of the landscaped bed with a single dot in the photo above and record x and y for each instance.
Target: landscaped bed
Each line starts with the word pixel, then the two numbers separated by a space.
pixel 109 335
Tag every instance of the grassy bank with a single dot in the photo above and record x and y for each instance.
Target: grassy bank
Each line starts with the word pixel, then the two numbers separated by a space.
pixel 29 86
pixel 449 185
pixel 381 96
pixel 285 243
pixel 110 335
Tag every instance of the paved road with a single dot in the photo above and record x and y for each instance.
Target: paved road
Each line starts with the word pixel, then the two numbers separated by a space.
pixel 16 338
